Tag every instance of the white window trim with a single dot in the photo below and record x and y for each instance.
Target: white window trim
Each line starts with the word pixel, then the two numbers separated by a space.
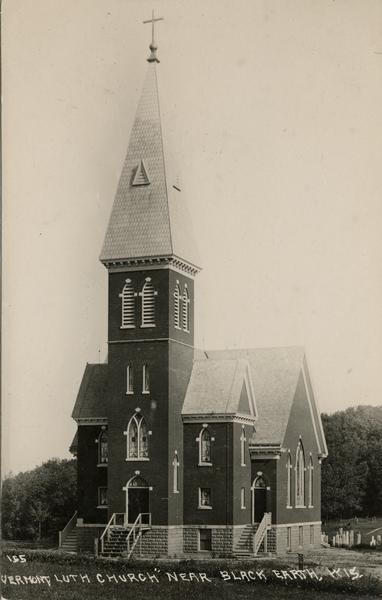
pixel 289 468
pixel 300 447
pixel 99 497
pixel 200 506
pixel 129 367
pixel 175 473
pixel 178 302
pixel 141 294
pixel 310 482
pixel 202 463
pixel 185 313
pixel 144 367
pixel 242 499
pixel 243 441
pixel 128 284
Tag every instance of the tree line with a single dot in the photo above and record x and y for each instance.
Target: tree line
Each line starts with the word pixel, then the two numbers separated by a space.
pixel 352 473
pixel 39 503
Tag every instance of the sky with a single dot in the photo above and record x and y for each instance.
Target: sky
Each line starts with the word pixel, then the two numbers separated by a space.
pixel 275 111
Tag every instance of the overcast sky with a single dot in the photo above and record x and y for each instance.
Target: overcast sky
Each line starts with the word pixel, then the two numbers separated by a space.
pixel 275 110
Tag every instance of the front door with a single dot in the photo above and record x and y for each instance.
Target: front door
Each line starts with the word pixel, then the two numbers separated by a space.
pixel 259 499
pixel 138 502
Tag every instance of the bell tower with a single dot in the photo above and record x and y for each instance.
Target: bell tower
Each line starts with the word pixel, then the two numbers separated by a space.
pixel 151 261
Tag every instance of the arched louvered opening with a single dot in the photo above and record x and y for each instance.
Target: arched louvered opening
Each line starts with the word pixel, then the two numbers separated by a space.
pixel 177 306
pixel 186 310
pixel 128 305
pixel 148 304
pixel 205 446
pixel 300 475
pixel 137 438
pixel 102 448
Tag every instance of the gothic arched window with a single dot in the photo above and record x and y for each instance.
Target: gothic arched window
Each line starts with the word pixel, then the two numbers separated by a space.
pixel 300 475
pixel 148 304
pixel 128 306
pixel 289 481
pixel 102 448
pixel 137 438
pixel 177 306
pixel 204 446
pixel 186 310
pixel 311 481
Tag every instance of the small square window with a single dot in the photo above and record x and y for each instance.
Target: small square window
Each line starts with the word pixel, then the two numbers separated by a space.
pixel 205 498
pixel 102 497
pixel 205 539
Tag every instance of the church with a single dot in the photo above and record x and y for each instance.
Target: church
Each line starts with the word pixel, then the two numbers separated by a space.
pixel 182 451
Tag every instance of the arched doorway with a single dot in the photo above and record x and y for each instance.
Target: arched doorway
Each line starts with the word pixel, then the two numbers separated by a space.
pixel 137 498
pixel 259 498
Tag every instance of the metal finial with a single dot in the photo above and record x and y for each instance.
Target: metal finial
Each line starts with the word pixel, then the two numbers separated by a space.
pixel 153 47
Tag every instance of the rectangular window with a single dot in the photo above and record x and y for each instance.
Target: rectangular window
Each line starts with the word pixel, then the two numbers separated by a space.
pixel 129 379
pixel 145 380
pixel 301 536
pixel 242 497
pixel 205 539
pixel 312 535
pixel 205 498
pixel 102 497
pixel 289 538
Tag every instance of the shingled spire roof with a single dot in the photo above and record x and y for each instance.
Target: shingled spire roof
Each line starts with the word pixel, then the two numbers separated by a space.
pixel 149 219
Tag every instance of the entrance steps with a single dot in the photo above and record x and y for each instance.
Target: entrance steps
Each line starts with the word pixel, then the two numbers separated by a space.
pixel 70 542
pixel 116 544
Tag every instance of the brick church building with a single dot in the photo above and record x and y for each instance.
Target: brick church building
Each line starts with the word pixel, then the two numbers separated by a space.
pixel 182 451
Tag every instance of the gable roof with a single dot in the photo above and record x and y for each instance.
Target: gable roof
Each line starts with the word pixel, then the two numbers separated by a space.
pixel 91 397
pixel 149 218
pixel 215 388
pixel 275 373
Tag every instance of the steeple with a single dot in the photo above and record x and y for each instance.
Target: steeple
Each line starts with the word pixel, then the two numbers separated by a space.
pixel 149 222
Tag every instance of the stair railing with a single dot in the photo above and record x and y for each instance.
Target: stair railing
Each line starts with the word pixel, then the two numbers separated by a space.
pixel 62 535
pixel 136 531
pixel 106 532
pixel 261 533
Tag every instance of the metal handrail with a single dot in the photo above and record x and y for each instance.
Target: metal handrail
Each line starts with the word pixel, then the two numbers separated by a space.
pixel 106 531
pixel 261 531
pixel 136 531
pixel 62 535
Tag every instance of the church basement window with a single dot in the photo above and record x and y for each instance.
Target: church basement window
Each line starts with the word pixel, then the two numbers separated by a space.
pixel 128 306
pixel 205 498
pixel 205 540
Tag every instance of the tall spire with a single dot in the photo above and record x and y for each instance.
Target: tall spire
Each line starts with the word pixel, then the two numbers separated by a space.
pixel 149 222
pixel 153 47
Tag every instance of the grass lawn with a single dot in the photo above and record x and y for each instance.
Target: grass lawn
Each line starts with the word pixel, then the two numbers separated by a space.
pixel 59 567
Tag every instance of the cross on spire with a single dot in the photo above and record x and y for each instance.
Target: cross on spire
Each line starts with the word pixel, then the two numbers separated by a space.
pixel 153 47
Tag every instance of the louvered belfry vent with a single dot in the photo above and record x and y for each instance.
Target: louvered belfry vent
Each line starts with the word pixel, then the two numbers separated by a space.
pixel 141 177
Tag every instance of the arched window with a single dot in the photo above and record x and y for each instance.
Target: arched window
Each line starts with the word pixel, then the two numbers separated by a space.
pixel 128 306
pixel 102 448
pixel 145 379
pixel 148 304
pixel 289 481
pixel 300 475
pixel 243 439
pixel 177 306
pixel 185 310
pixel 204 447
pixel 137 438
pixel 175 479
pixel 129 379
pixel 311 481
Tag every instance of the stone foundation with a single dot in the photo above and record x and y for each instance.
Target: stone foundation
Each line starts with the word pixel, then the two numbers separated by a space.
pixel 86 536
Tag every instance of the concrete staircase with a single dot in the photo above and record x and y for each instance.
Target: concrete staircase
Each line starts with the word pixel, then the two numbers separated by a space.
pixel 115 544
pixel 243 547
pixel 70 542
